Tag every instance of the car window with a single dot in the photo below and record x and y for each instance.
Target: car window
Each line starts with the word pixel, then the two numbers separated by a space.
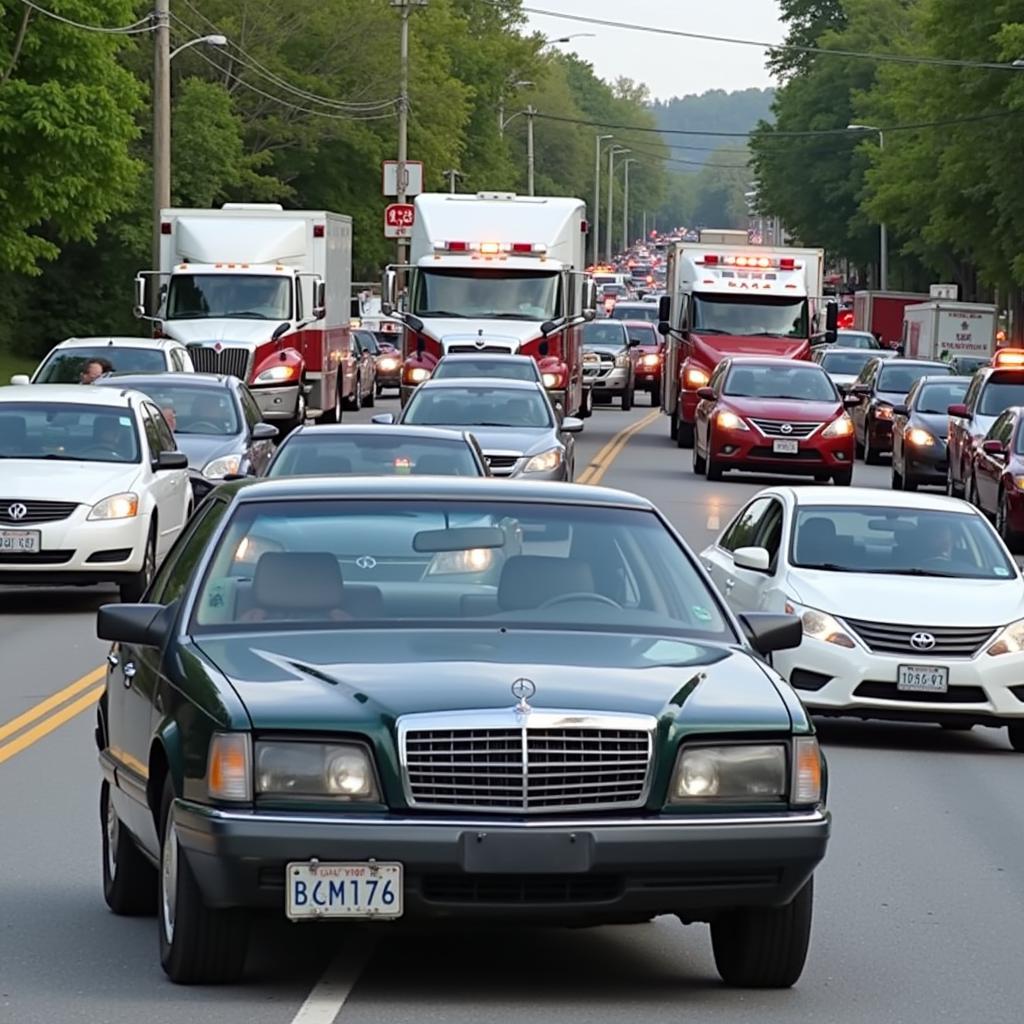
pixel 857 339
pixel 867 375
pixel 742 532
pixel 1002 391
pixel 173 576
pixel 176 362
pixel 1018 447
pixel 161 431
pixel 806 383
pixel 68 432
pixel 250 408
pixel 65 366
pixel 466 563
pixel 898 377
pixel 769 532
pixel 152 434
pixel 935 399
pixel 971 397
pixel 642 335
pixel 195 408
pixel 603 333
pixel 505 369
pixel 844 362
pixel 478 407
pixel 1001 429
pixel 313 453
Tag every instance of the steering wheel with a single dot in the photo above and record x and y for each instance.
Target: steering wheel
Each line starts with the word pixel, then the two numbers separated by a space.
pixel 581 595
pixel 98 449
pixel 194 427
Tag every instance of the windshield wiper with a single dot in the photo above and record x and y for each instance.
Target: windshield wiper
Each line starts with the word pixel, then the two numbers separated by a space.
pixel 438 312
pixel 710 330
pixel 248 314
pixel 770 334
pixel 829 567
pixel 925 572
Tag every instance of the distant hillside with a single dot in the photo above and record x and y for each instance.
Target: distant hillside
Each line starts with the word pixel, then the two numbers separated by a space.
pixel 715 110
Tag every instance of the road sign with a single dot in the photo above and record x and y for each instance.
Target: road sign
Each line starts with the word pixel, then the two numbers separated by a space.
pixel 944 291
pixel 398 220
pixel 413 177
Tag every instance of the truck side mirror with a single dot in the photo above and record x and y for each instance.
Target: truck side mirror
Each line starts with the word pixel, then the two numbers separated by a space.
pixel 319 300
pixel 589 298
pixel 831 322
pixel 388 291
pixel 139 308
pixel 280 331
pixel 664 313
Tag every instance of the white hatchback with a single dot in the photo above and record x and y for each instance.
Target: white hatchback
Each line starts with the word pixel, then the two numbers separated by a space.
pixel 66 362
pixel 92 487
pixel 912 607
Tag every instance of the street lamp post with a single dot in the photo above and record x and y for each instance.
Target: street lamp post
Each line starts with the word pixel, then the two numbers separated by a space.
pixel 612 153
pixel 566 39
pixel 883 241
pixel 598 140
pixel 625 202
pixel 512 84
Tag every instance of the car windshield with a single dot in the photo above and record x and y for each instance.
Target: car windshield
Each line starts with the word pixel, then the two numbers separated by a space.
pixel 751 318
pixel 506 369
pixel 603 333
pixel 648 311
pixel 487 294
pixel 899 378
pixel 642 335
pixel 1001 391
pixel 801 383
pixel 65 366
pixel 67 432
pixel 488 564
pixel 898 541
pixel 845 362
pixel 388 453
pixel 857 339
pixel 196 410
pixel 935 399
pixel 478 406
pixel 240 296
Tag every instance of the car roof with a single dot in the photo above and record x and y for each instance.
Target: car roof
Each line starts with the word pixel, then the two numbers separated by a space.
pixel 642 323
pixel 74 394
pixel 411 488
pixel 943 378
pixel 871 496
pixel 115 340
pixel 483 382
pixel 916 362
pixel 770 361
pixel 328 430
pixel 143 380
pixel 871 353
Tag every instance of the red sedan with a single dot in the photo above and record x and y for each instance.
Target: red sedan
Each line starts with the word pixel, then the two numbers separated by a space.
pixel 646 353
pixel 773 415
pixel 996 485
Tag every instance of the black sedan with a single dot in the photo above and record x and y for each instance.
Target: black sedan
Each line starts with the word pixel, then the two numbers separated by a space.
pixel 371 450
pixel 216 423
pixel 920 428
pixel 441 700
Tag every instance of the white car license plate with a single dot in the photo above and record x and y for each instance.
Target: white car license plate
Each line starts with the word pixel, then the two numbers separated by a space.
pixel 923 678
pixel 786 447
pixel 344 889
pixel 19 542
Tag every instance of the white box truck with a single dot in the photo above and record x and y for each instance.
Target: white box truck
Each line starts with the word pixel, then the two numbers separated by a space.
pixel 945 330
pixel 261 293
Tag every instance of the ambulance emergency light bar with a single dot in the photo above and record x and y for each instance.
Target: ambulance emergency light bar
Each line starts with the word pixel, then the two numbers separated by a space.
pixel 493 248
pixel 753 262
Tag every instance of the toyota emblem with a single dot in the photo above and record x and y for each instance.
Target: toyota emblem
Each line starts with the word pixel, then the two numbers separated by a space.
pixel 366 562
pixel 786 428
pixel 17 511
pixel 922 641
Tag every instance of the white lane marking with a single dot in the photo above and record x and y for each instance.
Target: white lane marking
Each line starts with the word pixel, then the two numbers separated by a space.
pixel 713 522
pixel 324 1002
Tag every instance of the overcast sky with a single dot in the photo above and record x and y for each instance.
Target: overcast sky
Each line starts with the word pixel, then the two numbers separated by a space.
pixel 669 65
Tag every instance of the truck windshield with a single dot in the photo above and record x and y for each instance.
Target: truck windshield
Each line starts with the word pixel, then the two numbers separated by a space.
pixel 487 294
pixel 750 317
pixel 239 296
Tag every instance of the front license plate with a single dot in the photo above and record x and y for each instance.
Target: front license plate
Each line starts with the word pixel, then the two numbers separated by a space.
pixel 786 447
pixel 922 679
pixel 343 889
pixel 19 542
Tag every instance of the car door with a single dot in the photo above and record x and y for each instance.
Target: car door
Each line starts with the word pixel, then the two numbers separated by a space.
pixel 259 452
pixel 740 533
pixel 369 360
pixel 988 468
pixel 959 445
pixel 862 388
pixel 169 487
pixel 899 426
pixel 705 407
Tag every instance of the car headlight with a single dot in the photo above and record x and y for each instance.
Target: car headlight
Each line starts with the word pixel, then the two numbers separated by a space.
pixel 551 380
pixel 225 465
pixel 545 461
pixel 695 377
pixel 416 374
pixel 117 506
pixel 820 626
pixel 340 771
pixel 388 363
pixel 650 360
pixel 919 437
pixel 730 421
pixel 1010 640
pixel 622 360
pixel 277 374
pixel 841 427
pixel 1019 482
pixel 742 771
pixel 883 412
pixel 470 560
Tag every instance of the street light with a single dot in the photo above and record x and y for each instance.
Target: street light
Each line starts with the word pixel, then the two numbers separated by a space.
pixel 883 268
pixel 510 86
pixel 566 39
pixel 214 40
pixel 598 139
pixel 613 151
pixel 625 202
pixel 529 113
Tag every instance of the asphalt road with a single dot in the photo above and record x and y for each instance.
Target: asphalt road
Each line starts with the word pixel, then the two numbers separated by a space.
pixel 918 902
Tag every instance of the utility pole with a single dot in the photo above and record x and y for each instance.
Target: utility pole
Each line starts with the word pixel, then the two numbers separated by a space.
pixel 403 118
pixel 611 193
pixel 452 176
pixel 161 122
pixel 595 255
pixel 625 205
pixel 529 150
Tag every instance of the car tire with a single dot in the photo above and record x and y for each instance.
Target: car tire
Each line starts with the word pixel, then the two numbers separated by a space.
pixel 300 414
pixel 198 945
pixel 712 468
pixel 134 589
pixel 1011 538
pixel 909 483
pixel 822 478
pixel 842 477
pixel 355 403
pixel 764 947
pixel 673 427
pixel 896 479
pixel 699 463
pixel 587 406
pixel 871 457
pixel 972 494
pixel 655 395
pixel 371 397
pixel 129 880
pixel 684 433
pixel 952 490
pixel 627 398
pixel 334 416
pixel 1015 734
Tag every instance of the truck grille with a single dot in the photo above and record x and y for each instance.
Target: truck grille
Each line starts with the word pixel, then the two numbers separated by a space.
pixel 540 762
pixel 35 511
pixel 231 361
pixel 894 638
pixel 777 428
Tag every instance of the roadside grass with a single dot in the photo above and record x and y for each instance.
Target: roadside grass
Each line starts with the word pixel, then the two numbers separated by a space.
pixel 11 364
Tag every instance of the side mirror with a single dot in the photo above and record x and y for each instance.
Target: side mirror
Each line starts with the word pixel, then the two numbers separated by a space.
pixel 21 378
pixel 548 327
pixel 851 400
pixel 665 309
pixel 280 331
pixel 139 309
pixel 171 460
pixel 706 394
pixel 857 390
pixel 384 418
pixel 768 631
pixel 958 410
pixel 900 410
pixel 994 448
pixel 589 299
pixel 756 559
pixel 388 291
pixel 634 342
pixel 831 319
pixel 572 425
pixel 264 432
pixel 142 624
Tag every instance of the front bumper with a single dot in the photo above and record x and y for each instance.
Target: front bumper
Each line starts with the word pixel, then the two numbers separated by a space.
pixel 601 870
pixel 389 378
pixel 611 382
pixel 880 434
pixel 925 464
pixel 277 403
pixel 838 681
pixel 748 449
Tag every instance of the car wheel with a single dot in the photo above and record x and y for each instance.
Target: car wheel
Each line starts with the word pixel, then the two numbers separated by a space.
pixel 871 456
pixel 699 464
pixel 197 945
pixel 952 490
pixel 843 477
pixel 909 483
pixel 627 398
pixel 896 479
pixel 684 433
pixel 137 586
pixel 655 394
pixel 334 414
pixel 587 408
pixel 972 494
pixel 673 427
pixel 764 947
pixel 1010 536
pixel 1015 733
pixel 355 403
pixel 822 478
pixel 371 397
pixel 129 880
pixel 712 468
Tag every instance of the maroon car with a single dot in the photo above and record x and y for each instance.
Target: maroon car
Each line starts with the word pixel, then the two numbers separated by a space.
pixel 646 354
pixel 773 415
pixel 996 484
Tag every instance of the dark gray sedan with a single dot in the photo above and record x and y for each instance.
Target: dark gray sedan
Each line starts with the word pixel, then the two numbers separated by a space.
pixel 513 420
pixel 920 429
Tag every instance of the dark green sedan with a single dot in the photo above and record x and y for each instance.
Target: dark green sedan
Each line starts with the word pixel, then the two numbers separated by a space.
pixel 364 699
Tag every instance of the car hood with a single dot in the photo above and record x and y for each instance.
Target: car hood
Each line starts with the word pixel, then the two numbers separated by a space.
pixel 919 600
pixel 783 409
pixel 507 335
pixel 81 482
pixel 711 349
pixel 202 448
pixel 208 332
pixel 525 441
pixel 311 679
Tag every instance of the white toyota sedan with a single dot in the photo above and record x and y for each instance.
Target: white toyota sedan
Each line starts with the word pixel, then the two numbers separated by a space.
pixel 912 607
pixel 92 487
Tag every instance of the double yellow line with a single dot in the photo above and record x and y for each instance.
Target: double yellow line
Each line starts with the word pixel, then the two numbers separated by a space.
pixel 41 719
pixel 602 461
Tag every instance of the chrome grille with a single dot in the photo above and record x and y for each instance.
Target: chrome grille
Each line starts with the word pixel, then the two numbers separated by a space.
pixel 894 638
pixel 35 511
pixel 776 428
pixel 231 361
pixel 541 762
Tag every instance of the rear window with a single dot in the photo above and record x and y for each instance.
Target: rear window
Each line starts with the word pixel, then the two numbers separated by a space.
pixel 845 362
pixel 65 366
pixel 647 311
pixel 373 455
pixel 900 378
pixel 937 398
pixel 506 369
pixel 598 333
pixel 1001 391
pixel 642 335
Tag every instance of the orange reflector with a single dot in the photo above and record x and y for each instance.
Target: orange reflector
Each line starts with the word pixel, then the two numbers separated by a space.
pixel 228 768
pixel 806 770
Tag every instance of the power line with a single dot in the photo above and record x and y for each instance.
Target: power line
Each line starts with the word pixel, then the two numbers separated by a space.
pixel 135 28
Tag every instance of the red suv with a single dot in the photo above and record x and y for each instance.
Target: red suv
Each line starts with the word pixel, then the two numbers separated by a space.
pixel 646 354
pixel 775 415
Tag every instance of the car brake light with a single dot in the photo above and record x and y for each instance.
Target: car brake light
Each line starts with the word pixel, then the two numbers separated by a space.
pixel 710 261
